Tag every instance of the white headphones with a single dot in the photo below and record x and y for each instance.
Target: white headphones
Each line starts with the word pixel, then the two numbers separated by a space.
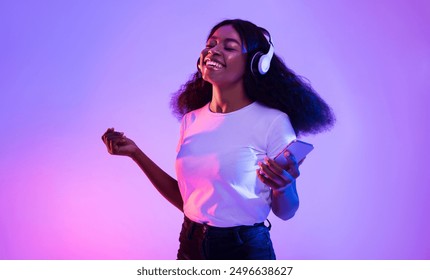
pixel 260 62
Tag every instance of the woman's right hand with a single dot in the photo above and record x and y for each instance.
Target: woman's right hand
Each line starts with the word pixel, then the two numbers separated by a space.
pixel 118 144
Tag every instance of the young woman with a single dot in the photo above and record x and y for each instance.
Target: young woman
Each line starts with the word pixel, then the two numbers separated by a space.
pixel 238 111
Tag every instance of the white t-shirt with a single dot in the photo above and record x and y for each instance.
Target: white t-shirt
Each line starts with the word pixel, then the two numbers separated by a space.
pixel 217 159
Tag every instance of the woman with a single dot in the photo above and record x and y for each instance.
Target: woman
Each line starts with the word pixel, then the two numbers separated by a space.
pixel 239 110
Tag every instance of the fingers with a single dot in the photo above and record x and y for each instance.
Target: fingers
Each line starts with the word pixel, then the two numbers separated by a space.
pixel 264 179
pixel 292 166
pixel 271 168
pixel 114 145
pixel 113 139
pixel 109 130
pixel 111 147
pixel 111 134
pixel 114 136
pixel 274 176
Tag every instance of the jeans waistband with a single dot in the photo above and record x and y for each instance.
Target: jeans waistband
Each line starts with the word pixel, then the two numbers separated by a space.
pixel 205 227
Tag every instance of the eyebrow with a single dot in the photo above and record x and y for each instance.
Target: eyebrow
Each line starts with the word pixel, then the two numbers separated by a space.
pixel 226 40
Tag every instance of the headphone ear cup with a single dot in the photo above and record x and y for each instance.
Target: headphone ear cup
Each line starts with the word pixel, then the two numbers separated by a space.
pixel 264 64
pixel 255 61
pixel 260 62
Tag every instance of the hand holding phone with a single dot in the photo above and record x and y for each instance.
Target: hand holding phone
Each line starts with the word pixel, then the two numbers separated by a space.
pixel 298 148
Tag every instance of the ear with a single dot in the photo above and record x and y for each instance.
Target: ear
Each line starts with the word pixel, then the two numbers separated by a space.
pixel 199 67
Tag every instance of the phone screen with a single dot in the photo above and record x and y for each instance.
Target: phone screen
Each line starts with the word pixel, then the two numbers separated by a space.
pixel 299 149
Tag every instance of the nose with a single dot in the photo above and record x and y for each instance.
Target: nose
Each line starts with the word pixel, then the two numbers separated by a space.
pixel 214 50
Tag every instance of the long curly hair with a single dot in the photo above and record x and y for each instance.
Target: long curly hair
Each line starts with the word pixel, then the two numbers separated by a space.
pixel 279 88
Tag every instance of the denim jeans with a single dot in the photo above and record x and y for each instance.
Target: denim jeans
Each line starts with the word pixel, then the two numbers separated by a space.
pixel 203 242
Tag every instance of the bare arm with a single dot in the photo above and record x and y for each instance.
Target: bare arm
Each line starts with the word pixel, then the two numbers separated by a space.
pixel 282 180
pixel 118 144
pixel 285 203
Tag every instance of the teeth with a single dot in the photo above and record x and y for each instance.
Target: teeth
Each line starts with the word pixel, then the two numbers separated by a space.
pixel 214 64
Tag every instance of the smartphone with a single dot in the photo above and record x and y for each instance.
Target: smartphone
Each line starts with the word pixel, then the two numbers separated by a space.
pixel 298 148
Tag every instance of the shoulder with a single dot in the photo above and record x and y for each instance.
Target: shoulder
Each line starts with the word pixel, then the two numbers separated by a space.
pixel 270 114
pixel 276 121
pixel 191 116
pixel 268 120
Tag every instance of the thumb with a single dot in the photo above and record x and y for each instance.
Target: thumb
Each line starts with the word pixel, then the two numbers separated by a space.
pixel 292 165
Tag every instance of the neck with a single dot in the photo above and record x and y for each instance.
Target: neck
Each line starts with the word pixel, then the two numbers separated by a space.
pixel 228 100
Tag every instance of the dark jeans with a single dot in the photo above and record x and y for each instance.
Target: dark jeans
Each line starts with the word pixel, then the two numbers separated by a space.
pixel 203 242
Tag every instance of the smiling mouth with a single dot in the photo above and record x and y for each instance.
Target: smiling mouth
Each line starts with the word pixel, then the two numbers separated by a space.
pixel 213 64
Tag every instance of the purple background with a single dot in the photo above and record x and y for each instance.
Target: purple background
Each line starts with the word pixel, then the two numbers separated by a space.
pixel 70 70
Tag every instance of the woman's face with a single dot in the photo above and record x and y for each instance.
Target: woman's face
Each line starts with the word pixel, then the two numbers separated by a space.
pixel 223 61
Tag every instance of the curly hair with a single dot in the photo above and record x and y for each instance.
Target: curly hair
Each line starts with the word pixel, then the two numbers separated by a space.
pixel 279 88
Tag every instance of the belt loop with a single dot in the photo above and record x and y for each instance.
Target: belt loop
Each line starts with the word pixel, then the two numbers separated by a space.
pixel 270 225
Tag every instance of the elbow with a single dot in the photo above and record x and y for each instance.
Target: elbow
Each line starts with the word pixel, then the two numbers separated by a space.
pixel 288 216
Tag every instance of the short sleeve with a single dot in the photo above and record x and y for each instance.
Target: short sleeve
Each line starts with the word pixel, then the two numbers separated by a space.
pixel 279 135
pixel 181 133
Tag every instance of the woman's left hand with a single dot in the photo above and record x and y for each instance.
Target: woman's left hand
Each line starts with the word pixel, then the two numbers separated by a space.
pixel 279 177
